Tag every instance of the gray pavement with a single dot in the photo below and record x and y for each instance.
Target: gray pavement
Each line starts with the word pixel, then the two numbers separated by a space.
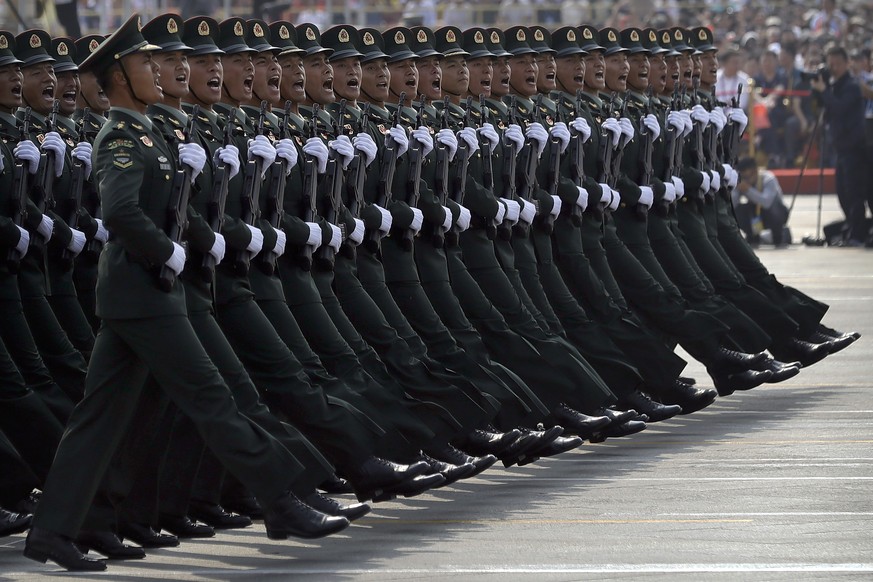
pixel 771 484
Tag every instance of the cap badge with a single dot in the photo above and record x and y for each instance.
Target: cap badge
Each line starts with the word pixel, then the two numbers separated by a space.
pixel 399 37
pixel 238 29
pixel 571 36
pixel 495 38
pixel 422 36
pixel 702 34
pixel 310 33
pixel 35 41
pixel 343 35
pixel 4 42
pixel 92 46
pixel 634 36
pixel 63 50
pixel 652 36
pixel 478 38
pixel 172 26
pixel 665 38
pixel 203 28
pixel 587 35
pixel 538 35
pixel 611 36
pixel 520 36
pixel 258 30
pixel 678 34
pixel 368 39
pixel 450 36
pixel 284 33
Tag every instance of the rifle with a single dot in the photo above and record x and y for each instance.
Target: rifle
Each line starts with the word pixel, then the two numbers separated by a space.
pixel 529 166
pixel 19 192
pixel 619 154
pixel 606 148
pixel 355 180
pixel 553 170
pixel 416 159
pixel 576 151
pixel 697 132
pixel 334 189
pixel 387 165
pixel 215 208
pixel 487 160
pixel 647 145
pixel 510 165
pixel 441 173
pixel 93 247
pixel 76 186
pixel 276 194
pixel 458 178
pixel 178 209
pixel 733 140
pixel 310 192
pixel 251 194
pixel 45 177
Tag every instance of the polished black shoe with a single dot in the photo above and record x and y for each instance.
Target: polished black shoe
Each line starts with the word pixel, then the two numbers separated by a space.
pixel 416 486
pixel 289 516
pixel 29 503
pixel 184 528
pixel 374 476
pixel 450 454
pixel 576 423
pixel 618 416
pixel 108 544
pixel 835 344
pixel 249 506
pixel 146 536
pixel 335 486
pixel 13 523
pixel 732 358
pixel 688 380
pixel 450 471
pixel 555 447
pixel 331 506
pixel 835 334
pixel 805 352
pixel 656 412
pixel 520 451
pixel 485 442
pixel 690 398
pixel 216 516
pixel 42 545
pixel 780 371
pixel 729 383
pixel 619 430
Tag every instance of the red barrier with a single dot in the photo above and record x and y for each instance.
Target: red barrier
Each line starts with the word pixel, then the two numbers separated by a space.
pixel 809 182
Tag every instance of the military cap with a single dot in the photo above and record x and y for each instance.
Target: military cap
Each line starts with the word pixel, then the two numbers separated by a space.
pixel 652 41
pixel 516 41
pixel 232 36
pixel 200 34
pixel 680 40
pixel 283 35
pixel 125 41
pixel 423 42
pixel 258 36
pixel 588 38
pixel 165 31
pixel 701 39
pixel 494 41
pixel 87 45
pixel 608 37
pixel 540 40
pixel 63 51
pixel 632 40
pixel 342 39
pixel 7 48
pixel 309 39
pixel 565 41
pixel 474 43
pixel 665 41
pixel 448 39
pixel 371 44
pixel 32 46
pixel 396 44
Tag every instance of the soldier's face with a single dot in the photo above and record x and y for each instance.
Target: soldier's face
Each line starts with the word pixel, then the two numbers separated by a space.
pixel 595 71
pixel 617 70
pixel 456 76
pixel 686 68
pixel 708 68
pixel 143 73
pixel 658 73
pixel 501 77
pixel 207 74
pixel 546 69
pixel 268 77
pixel 523 78
pixel 38 88
pixel 67 92
pixel 403 76
pixel 319 80
pixel 347 78
pixel 174 73
pixel 638 72
pixel 695 64
pixel 481 73
pixel 430 78
pixel 570 73
pixel 293 85
pixel 239 77
pixel 376 81
pixel 10 88
pixel 672 73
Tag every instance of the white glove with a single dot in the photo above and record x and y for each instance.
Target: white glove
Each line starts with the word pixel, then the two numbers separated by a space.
pixel 400 138
pixel 176 262
pixel 218 248
pixel 676 121
pixel 229 156
pixel 613 126
pixel 647 196
pixel 257 242
pixel 513 133
pixel 281 242
pixel 23 241
pixel 387 221
pixel 669 192
pixel 717 119
pixel 700 115
pixel 689 123
pixel 357 235
pixel 605 194
pixel 447 220
pixel 716 180
pixel 464 219
pixel 417 220
pixel 194 156
pixel 260 147
pixel 627 130
pixel 537 134
pixel 582 199
pixel 707 181
pixel 336 235
pixel 46 228
pixel 679 185
pixel 54 142
pixel 286 150
pixel 580 124
pixel 422 135
pixel 561 132
pixel 616 200
pixel 528 212
pixel 651 123
pixel 468 134
pixel 737 115
pixel 501 212
pixel 26 151
pixel 489 134
pixel 556 207
pixel 77 242
pixel 364 143
pixel 314 239
pixel 81 152
pixel 513 209
pixel 316 148
pixel 731 175
pixel 344 149
pixel 447 138
pixel 102 234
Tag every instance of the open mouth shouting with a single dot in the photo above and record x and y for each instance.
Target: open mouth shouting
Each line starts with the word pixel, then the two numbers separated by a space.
pixel 273 82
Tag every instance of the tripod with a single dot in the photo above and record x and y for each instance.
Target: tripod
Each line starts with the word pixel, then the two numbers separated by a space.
pixel 810 240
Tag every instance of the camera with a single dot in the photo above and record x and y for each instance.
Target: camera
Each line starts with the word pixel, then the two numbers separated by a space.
pixel 810 76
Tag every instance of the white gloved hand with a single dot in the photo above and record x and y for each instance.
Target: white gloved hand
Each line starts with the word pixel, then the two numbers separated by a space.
pixel 23 241
pixel 605 194
pixel 102 234
pixel 489 134
pixel 344 149
pixel 316 148
pixel 679 185
pixel 737 115
pixel 176 262
pixel 537 134
pixel 218 248
pixel 560 132
pixel 81 152
pixel 734 179
pixel 676 121
pixel 700 115
pixel 447 138
pixel 422 135
pixel 689 123
pixel 336 235
pixel 513 210
pixel 582 199
pixel 556 207
pixel 447 218
pixel 627 130
pixel 651 123
pixel 363 142
pixel 26 151
pixel 417 220
pixel 400 138
pixel 281 242
pixel 357 235
pixel 717 119
pixel 614 127
pixel 616 200
pixel 260 147
pixel 647 196
pixel 194 156
pixel 257 242
pixel 229 156
pixel 387 220
pixel 715 183
pixel 286 150
pixel 513 133
pixel 468 134
pixel 464 218
pixel 707 181
pixel 77 242
pixel 669 192
pixel 53 142
pixel 580 125
pixel 528 211
pixel 314 239
pixel 501 212
pixel 46 228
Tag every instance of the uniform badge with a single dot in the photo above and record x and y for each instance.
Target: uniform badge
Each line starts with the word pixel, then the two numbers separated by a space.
pixel 70 142
pixel 382 129
pixel 611 36
pixel 146 140
pixel 702 34
pixel 368 39
pixel 343 35
pixel 450 36
pixel 299 140
pixel 310 34
pixel 571 36
pixel 203 28
pixel 63 50
pixel 40 137
pixel 665 39
pixel 284 33
pixel 258 30
pixel 238 29
pixel 4 42
pixel 478 38
pixel 634 36
pixel 678 34
pixel 137 126
pixel 179 134
pixel 587 35
pixel 399 37
pixel 538 35
pixel 422 36
pixel 122 160
pixel 35 41
pixel 520 36
pixel 172 26
pixel 93 45
pixel 652 36
pixel 495 37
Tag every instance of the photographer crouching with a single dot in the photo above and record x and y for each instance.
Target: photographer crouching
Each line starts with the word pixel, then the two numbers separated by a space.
pixel 758 204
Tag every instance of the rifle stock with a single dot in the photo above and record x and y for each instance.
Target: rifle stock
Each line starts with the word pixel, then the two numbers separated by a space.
pixel 19 192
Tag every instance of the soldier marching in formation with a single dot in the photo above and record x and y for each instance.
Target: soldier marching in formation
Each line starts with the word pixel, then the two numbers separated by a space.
pixel 249 265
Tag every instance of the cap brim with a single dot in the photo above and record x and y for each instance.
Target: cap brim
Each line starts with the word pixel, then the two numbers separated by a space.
pixel 545 50
pixel 266 48
pixel 175 46
pixel 637 50
pixel 706 48
pixel 571 50
pixel 658 50
pixel 402 56
pixel 291 50
pixel 683 48
pixel 206 49
pixel 345 54
pixel 236 49
pixel 318 49
pixel 9 61
pixel 65 67
pixel 590 48
pixel 377 54
pixel 517 52
pixel 428 52
pixel 453 52
pixel 480 53
pixel 36 60
pixel 500 52
pixel 614 51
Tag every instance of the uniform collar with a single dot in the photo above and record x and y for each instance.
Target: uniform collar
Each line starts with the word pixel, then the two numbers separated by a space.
pixel 161 109
pixel 120 113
